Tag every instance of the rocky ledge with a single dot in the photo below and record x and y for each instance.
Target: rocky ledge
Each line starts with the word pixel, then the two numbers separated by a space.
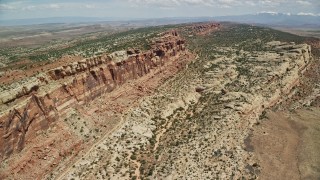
pixel 202 29
pixel 31 105
pixel 203 117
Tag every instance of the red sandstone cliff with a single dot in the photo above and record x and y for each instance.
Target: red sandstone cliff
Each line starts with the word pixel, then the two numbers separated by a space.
pixel 36 104
pixel 203 29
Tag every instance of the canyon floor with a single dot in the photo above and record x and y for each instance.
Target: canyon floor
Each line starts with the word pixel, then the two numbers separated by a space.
pixel 230 101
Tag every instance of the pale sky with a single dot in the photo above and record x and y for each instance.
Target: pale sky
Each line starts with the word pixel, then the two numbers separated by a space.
pixel 22 9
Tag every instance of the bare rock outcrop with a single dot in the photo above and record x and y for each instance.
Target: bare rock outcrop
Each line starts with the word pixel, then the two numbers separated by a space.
pixel 206 28
pixel 193 135
pixel 29 106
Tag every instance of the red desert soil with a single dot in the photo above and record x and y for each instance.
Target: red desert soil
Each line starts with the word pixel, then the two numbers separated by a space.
pixel 287 145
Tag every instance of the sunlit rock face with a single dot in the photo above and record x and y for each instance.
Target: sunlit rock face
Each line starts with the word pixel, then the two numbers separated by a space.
pixel 32 105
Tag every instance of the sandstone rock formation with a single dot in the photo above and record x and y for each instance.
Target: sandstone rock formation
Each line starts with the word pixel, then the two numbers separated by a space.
pixel 203 29
pixel 193 135
pixel 109 117
pixel 29 106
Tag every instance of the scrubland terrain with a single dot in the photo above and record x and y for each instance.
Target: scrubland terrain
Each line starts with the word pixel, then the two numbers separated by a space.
pixel 191 101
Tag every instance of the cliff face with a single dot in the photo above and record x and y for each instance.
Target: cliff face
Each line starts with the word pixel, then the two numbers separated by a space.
pixel 32 105
pixel 213 125
pixel 202 29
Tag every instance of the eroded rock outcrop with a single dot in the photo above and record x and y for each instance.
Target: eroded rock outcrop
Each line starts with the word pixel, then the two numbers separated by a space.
pixel 32 105
pixel 206 28
pixel 201 135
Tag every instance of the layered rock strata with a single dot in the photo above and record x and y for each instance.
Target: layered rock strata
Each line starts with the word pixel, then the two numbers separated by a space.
pixel 32 105
pixel 194 135
pixel 203 29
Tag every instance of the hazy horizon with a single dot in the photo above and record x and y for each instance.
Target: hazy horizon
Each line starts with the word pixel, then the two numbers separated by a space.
pixel 143 9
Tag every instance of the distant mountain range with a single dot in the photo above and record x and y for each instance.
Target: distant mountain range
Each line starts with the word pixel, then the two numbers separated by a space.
pixel 276 19
pixel 270 19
